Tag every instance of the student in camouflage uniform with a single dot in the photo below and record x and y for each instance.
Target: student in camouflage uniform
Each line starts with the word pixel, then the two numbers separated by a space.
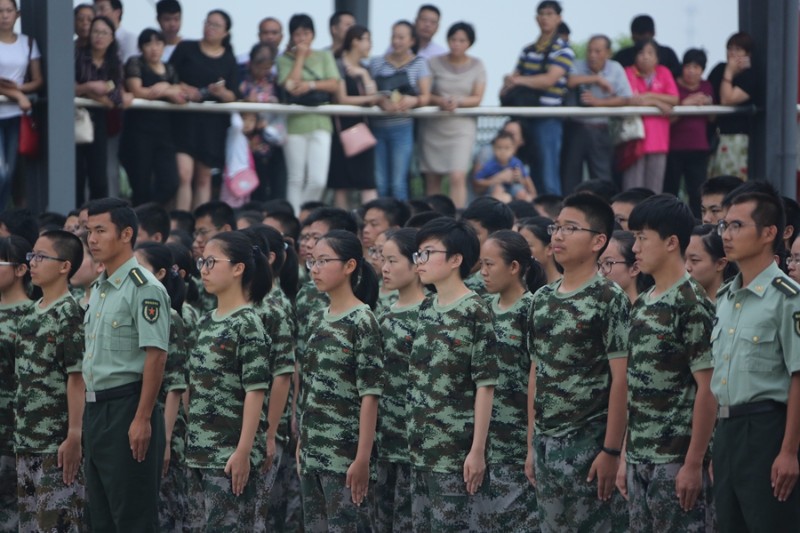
pixel 398 327
pixel 578 334
pixel 452 375
pixel 486 215
pixel 671 410
pixel 210 219
pixel 229 377
pixel 386 297
pixel 14 305
pixel 511 276
pixel 381 215
pixel 343 375
pixel 49 397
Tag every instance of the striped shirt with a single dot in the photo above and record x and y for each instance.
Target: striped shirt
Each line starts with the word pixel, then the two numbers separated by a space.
pixel 532 61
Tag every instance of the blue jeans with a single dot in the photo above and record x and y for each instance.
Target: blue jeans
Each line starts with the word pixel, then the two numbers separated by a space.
pixel 393 158
pixel 544 134
pixel 9 144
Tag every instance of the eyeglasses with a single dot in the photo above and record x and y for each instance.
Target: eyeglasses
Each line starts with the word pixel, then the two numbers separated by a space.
pixel 215 25
pixel 605 266
pixel 311 263
pixel 35 257
pixel 375 252
pixel 791 260
pixel 422 257
pixel 552 229
pixel 310 237
pixel 209 262
pixel 8 264
pixel 101 33
pixel 735 226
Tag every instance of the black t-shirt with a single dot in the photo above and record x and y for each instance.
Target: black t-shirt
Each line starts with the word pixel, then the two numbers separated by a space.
pixel 666 57
pixel 199 70
pixel 745 80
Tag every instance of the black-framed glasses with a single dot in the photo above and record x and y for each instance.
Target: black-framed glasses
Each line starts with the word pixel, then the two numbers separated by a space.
pixel 209 262
pixel 421 257
pixel 605 267
pixel 375 252
pixel 311 263
pixel 567 230
pixel 734 227
pixel 36 257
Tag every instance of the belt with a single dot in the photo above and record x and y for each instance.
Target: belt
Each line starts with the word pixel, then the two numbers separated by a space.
pixel 129 389
pixel 755 408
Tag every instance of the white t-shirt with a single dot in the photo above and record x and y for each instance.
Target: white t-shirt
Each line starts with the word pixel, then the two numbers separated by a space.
pixel 128 44
pixel 14 66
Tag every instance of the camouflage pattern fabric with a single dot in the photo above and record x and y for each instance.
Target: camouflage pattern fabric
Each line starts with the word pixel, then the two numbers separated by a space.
pixel 511 502
pixel 266 480
pixel 328 506
pixel 653 506
pixel 572 337
pixel 173 503
pixel 392 498
pixel 398 327
pixel 344 363
pixel 176 378
pixel 277 298
pixel 49 346
pixel 45 502
pixel 440 503
pixel 386 299
pixel 670 339
pixel 310 304
pixel 226 362
pixel 474 282
pixel 9 516
pixel 225 512
pixel 285 513
pixel 454 353
pixel 195 521
pixel 207 301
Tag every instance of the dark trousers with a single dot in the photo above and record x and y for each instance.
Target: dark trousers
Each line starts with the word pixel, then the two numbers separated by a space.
pixel 122 493
pixel 272 176
pixel 744 450
pixel 91 161
pixel 692 167
pixel 152 168
pixel 590 144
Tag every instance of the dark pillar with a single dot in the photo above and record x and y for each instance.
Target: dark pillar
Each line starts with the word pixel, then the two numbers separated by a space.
pixel 359 8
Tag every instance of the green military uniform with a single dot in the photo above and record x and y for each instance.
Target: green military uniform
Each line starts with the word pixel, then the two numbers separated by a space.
pixel 756 349
pixel 669 341
pixel 128 312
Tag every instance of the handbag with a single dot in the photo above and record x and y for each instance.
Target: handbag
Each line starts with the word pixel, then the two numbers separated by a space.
pixel 625 129
pixel 28 137
pixel 311 98
pixel 84 128
pixel 520 96
pixel 356 139
pixel 399 81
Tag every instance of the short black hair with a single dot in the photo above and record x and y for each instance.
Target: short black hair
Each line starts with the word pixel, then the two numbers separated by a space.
pixel 563 28
pixel 184 220
pixel 184 238
pixel 522 209
pixel 457 237
pixel 696 56
pixel 419 206
pixel 153 218
pixel 252 217
pixel 147 35
pixel 396 211
pixel 311 205
pixel 792 211
pixel 168 7
pixel 502 134
pixel 253 205
pixel 20 221
pixel 549 4
pixel 121 213
pixel 442 203
pixel 301 20
pixel 749 186
pixel 291 226
pixel 337 16
pixel 490 213
pixel 50 220
pixel 334 217
pixel 551 203
pixel 68 246
pixel 278 206
pixel 598 213
pixel 220 213
pixel 429 7
pixel 768 212
pixel 605 189
pixel 422 218
pixel 115 4
pixel 643 24
pixel 667 216
pixel 720 185
pixel 466 27
pixel 634 195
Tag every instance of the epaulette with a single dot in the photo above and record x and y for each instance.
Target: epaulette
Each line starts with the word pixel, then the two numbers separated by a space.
pixel 137 277
pixel 785 286
pixel 723 290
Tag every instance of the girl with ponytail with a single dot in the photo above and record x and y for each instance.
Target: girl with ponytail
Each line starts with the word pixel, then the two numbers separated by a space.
pixel 342 380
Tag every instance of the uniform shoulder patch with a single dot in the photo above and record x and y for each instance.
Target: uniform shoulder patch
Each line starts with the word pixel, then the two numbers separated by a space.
pixel 151 310
pixel 796 318
pixel 785 286
pixel 724 289
pixel 137 277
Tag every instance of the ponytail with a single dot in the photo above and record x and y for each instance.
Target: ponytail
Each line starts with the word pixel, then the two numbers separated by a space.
pixel 285 266
pixel 363 280
pixel 257 277
pixel 160 257
pixel 183 260
pixel 535 276
pixel 514 247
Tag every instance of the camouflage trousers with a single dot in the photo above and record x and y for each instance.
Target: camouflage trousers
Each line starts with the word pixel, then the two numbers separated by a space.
pixel 566 501
pixel 223 510
pixel 195 519
pixel 285 512
pixel 265 482
pixel 44 502
pixel 173 498
pixel 9 517
pixel 511 502
pixel 328 505
pixel 393 498
pixel 440 502
pixel 655 508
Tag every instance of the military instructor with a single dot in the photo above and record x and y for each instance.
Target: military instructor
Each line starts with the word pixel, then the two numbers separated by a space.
pixel 127 335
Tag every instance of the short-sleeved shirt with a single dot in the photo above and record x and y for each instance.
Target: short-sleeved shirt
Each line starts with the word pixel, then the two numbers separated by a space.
pixel 453 354
pixel 573 335
pixel 227 362
pixel 746 80
pixel 612 72
pixel 417 69
pixel 756 339
pixel 386 299
pixel 128 312
pixel 11 315
pixel 474 282
pixel 344 363
pixel 398 327
pixel 509 427
pixel 86 70
pixel 49 347
pixel 176 379
pixel 669 340
pixel 690 132
pixel 279 328
pixel 14 67
pixel 277 298
pixel 666 57
pixel 319 65
pixel 148 120
pixel 537 59
pixel 656 128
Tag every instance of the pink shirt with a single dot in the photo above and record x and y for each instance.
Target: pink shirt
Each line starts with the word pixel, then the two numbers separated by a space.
pixel 656 128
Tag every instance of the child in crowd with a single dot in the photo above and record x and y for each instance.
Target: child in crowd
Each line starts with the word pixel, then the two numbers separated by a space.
pixel 534 230
pixel 578 330
pixel 511 277
pixel 343 379
pixel 504 176
pixel 485 215
pixel 49 400
pixel 618 263
pixel 452 375
pixel 229 375
pixel 671 411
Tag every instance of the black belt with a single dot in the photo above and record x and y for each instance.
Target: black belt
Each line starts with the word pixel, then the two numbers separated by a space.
pixel 755 408
pixel 129 389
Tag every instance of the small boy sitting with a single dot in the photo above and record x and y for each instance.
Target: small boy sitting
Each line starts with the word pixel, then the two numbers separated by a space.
pixel 504 176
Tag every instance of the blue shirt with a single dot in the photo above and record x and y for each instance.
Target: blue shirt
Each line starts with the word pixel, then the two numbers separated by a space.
pixel 613 72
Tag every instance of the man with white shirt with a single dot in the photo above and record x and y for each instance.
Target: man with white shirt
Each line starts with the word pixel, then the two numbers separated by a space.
pixel 426 26
pixel 126 41
pixel 169 15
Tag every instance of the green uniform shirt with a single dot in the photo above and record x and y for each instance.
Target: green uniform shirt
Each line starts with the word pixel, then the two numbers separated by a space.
pixel 10 317
pixel 128 312
pixel 572 337
pixel 509 427
pixel 49 346
pixel 756 339
pixel 176 378
pixel 398 327
pixel 277 298
pixel 344 363
pixel 319 65
pixel 228 361
pixel 669 340
pixel 454 352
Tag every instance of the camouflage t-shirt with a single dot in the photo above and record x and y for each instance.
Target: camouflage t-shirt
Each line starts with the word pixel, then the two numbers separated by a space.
pixel 176 378
pixel 572 337
pixel 277 298
pixel 386 299
pixel 309 305
pixel 475 283
pixel 10 317
pixel 509 427
pixel 49 346
pixel 454 352
pixel 669 340
pixel 344 362
pixel 227 362
pixel 398 327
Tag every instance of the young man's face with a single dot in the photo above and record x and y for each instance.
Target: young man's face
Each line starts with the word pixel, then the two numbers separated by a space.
pixel 652 252
pixel 106 241
pixel 438 266
pixel 482 232
pixel 339 30
pixel 170 24
pixel 204 230
pixel 711 209
pixel 548 20
pixel 270 32
pixel 427 24
pixel 375 223
pixel 622 212
pixel 309 237
pixel 102 8
pixel 581 246
pixel 742 239
pixel 50 267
